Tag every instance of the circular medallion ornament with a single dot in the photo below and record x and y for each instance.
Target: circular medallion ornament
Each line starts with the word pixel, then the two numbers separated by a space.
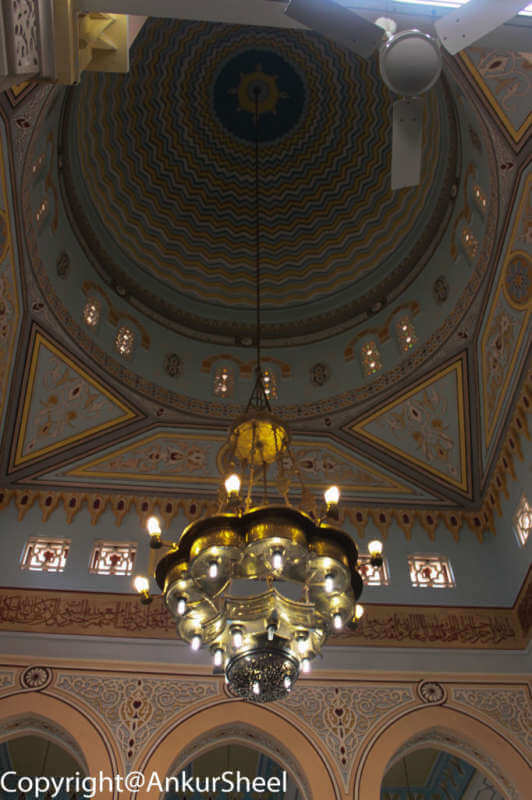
pixel 431 692
pixel 262 77
pixel 36 678
pixel 518 280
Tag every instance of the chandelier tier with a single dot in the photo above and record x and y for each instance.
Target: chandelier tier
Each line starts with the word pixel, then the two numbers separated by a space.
pixel 262 584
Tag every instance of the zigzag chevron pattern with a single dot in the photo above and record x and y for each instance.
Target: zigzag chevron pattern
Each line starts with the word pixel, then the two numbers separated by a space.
pixel 328 215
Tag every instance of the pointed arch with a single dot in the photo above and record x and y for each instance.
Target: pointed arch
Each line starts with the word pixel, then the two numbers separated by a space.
pixel 487 749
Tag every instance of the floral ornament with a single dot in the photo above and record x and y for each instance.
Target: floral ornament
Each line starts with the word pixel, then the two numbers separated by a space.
pixel 173 365
pixel 518 281
pixel 320 374
pixel 431 692
pixel 440 289
pixel 36 678
pixel 62 265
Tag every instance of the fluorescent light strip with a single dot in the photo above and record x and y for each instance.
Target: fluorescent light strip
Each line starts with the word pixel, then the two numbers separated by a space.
pixel 526 12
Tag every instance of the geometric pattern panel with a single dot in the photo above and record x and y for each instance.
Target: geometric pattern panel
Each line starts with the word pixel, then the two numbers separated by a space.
pixel 505 79
pixel 427 425
pixel 504 340
pixel 63 404
pixel 170 458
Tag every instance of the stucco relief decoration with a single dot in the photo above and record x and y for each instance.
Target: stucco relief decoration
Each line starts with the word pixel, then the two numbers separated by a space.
pixel 324 466
pixel 422 420
pixel 135 708
pixel 500 342
pixel 65 398
pixel 62 404
pixel 36 678
pixel 26 39
pixel 342 717
pixel 432 692
pixel 509 708
pixel 508 76
pixel 173 457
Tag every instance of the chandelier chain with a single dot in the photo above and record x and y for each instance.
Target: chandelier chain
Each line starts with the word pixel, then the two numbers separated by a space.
pixel 257 230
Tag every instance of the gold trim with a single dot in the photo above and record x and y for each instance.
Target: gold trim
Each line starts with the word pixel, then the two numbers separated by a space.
pixel 489 428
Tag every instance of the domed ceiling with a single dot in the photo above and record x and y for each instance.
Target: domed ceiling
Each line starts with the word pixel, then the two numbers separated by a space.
pixel 160 177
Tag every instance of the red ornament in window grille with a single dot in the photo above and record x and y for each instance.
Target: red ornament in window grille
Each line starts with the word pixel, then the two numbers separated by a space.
pixel 45 555
pixel 111 558
pixel 373 576
pixel 431 571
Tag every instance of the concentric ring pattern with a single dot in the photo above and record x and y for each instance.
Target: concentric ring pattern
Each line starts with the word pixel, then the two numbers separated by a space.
pixel 163 164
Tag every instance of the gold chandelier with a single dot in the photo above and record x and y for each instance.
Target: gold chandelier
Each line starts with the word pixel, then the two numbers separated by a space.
pixel 262 584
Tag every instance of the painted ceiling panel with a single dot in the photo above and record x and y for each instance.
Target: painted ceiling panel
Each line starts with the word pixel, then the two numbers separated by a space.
pixel 193 460
pixel 505 79
pixel 427 425
pixel 63 404
pixel 505 334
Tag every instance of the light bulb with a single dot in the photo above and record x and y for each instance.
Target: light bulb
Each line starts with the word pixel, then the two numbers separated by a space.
pixel 525 520
pixel 287 682
pixel 332 496
pixel 154 526
pixel 271 629
pixel 195 642
pixel 213 569
pixel 302 644
pixel 375 547
pixel 141 584
pixel 256 687
pixel 181 606
pixel 329 583
pixel 237 639
pixel 218 657
pixel 232 484
pixel 337 621
pixel 305 665
pixel 277 560
pixel 359 611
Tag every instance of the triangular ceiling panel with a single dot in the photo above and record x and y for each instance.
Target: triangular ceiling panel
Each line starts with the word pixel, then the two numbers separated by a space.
pixel 63 404
pixel 427 426
pixel 193 460
pixel 504 79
